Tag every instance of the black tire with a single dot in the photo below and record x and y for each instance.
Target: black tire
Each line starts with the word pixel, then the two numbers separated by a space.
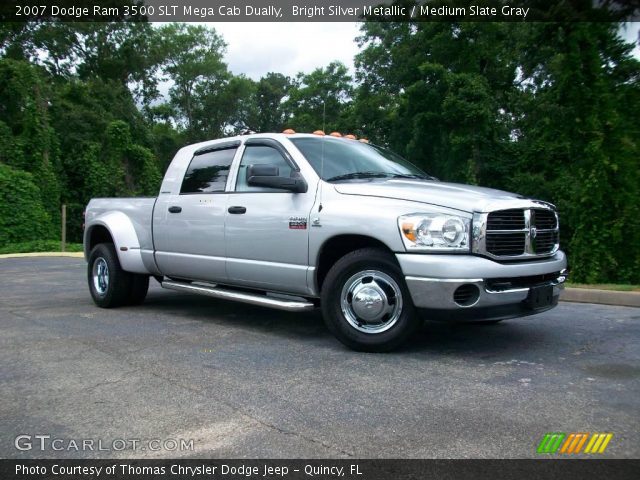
pixel 139 288
pixel 116 290
pixel 354 269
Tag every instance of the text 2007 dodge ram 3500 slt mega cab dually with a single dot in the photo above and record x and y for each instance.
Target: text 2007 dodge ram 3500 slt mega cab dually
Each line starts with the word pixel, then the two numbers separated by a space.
pixel 296 221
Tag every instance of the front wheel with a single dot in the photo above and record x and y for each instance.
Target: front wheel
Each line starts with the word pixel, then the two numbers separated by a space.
pixel 365 302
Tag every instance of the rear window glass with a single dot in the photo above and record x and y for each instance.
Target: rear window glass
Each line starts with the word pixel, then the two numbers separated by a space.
pixel 207 173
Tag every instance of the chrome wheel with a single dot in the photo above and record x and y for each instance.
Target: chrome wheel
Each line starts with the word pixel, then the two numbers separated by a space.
pixel 100 276
pixel 371 301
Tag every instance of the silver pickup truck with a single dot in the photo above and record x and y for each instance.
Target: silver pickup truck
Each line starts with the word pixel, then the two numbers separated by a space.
pixel 300 221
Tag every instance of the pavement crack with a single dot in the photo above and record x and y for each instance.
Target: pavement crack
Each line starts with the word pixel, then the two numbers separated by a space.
pixel 255 419
pixel 232 407
pixel 110 382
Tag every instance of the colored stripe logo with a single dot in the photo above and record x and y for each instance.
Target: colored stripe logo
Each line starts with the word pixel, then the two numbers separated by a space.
pixel 558 442
pixel 598 443
pixel 550 442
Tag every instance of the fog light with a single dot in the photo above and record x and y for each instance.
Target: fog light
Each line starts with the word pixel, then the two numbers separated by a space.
pixel 466 295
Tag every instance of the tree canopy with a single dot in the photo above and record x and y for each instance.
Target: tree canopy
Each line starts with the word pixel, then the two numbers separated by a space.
pixel 548 110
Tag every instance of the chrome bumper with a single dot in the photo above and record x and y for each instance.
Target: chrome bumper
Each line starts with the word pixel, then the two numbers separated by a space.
pixel 433 279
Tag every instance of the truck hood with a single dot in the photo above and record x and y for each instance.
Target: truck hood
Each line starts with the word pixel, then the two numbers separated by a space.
pixel 467 198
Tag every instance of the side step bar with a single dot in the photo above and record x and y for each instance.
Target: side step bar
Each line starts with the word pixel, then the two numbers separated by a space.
pixel 245 297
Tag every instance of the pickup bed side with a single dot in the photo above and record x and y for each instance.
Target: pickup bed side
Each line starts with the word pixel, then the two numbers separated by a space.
pixel 127 222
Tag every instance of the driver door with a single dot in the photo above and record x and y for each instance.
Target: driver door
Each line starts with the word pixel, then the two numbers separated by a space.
pixel 267 229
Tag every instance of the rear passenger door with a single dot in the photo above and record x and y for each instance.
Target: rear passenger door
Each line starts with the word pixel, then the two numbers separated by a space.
pixel 266 230
pixel 189 224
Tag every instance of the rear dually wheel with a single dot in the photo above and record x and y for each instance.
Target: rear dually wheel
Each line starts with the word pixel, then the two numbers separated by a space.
pixel 109 284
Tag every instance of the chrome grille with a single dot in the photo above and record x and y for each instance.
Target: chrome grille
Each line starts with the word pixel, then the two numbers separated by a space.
pixel 516 232
pixel 506 220
pixel 505 243
pixel 544 241
pixel 544 219
pixel 546 233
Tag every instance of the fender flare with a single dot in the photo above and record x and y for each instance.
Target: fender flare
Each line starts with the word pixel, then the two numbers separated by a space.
pixel 124 237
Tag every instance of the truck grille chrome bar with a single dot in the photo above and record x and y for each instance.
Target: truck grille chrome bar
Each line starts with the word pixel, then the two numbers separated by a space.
pixel 517 233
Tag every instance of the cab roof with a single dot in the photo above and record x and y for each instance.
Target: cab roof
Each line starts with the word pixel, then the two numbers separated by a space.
pixel 275 136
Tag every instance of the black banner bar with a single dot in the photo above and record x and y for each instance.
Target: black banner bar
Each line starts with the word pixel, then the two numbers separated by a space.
pixel 321 10
pixel 327 469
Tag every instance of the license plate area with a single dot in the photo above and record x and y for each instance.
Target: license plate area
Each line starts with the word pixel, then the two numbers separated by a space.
pixel 539 297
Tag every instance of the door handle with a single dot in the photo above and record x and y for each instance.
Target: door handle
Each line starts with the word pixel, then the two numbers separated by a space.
pixel 175 209
pixel 237 210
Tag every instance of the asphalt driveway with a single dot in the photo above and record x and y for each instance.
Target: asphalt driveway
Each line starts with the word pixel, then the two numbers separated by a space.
pixel 243 381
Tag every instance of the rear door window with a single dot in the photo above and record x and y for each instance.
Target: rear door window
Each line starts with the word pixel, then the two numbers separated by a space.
pixel 208 172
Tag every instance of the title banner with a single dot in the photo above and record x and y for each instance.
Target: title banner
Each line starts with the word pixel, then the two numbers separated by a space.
pixel 321 10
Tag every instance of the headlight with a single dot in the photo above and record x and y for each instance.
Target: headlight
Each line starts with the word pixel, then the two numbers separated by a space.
pixel 434 232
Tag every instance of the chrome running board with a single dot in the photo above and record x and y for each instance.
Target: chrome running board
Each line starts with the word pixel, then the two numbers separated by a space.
pixel 238 296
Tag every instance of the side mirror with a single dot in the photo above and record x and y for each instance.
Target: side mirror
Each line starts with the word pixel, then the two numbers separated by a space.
pixel 262 171
pixel 268 176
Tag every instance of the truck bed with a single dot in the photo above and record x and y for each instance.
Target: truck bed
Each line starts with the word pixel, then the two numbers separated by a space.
pixel 138 209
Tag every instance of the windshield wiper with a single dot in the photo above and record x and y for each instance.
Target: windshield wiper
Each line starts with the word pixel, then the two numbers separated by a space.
pixel 413 175
pixel 348 176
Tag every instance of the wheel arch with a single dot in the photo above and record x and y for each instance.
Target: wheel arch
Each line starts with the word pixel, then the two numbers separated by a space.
pixel 116 228
pixel 338 246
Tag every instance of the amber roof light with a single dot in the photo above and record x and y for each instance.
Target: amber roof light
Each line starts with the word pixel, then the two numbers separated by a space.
pixel 289 131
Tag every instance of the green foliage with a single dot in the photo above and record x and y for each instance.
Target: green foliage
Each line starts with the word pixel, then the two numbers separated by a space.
pixel 269 113
pixel 131 168
pixel 581 108
pixel 548 110
pixel 606 286
pixel 192 59
pixel 165 141
pixel 323 93
pixel 144 170
pixel 22 214
pixel 39 246
pixel 223 108
pixel 27 139
pixel 437 92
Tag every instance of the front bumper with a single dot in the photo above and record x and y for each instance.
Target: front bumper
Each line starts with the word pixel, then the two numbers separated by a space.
pixel 494 290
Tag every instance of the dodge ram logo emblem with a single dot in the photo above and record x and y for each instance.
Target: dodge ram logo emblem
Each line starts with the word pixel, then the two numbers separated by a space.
pixel 533 232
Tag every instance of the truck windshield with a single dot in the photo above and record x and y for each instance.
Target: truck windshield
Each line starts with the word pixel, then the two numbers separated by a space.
pixel 349 159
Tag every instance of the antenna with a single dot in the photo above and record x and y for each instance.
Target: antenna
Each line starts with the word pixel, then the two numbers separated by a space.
pixel 324 113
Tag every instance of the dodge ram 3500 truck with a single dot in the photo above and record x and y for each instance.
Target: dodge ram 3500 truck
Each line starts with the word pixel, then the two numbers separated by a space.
pixel 296 221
